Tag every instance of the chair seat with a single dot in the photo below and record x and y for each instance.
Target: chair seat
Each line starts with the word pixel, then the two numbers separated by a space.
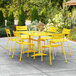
pixel 58 40
pixel 15 39
pixel 46 38
pixel 25 43
pixel 53 45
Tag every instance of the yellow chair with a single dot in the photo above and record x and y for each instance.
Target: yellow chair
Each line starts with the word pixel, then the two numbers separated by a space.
pixel 10 38
pixel 22 43
pixel 22 28
pixel 54 45
pixel 52 30
pixel 67 33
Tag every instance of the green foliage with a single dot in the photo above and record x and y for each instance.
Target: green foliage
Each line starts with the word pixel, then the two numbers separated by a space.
pixel 49 10
pixel 36 25
pixel 28 4
pixel 33 25
pixel 43 16
pixel 65 18
pixel 21 19
pixel 10 19
pixel 2 20
pixel 73 34
pixel 15 8
pixel 34 15
pixel 4 2
pixel 73 16
pixel 2 32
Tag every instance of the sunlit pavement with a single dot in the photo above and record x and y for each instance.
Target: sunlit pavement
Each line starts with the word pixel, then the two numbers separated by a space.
pixel 31 67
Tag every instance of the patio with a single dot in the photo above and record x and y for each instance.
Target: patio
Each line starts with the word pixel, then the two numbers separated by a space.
pixel 31 67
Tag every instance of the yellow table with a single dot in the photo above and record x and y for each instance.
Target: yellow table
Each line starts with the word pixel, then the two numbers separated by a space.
pixel 32 33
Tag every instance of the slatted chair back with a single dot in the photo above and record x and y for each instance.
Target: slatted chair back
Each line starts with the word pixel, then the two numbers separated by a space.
pixel 21 28
pixel 8 32
pixel 16 34
pixel 58 36
pixel 66 32
pixel 52 29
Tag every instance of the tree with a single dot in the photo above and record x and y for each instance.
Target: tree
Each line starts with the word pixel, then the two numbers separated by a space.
pixel 2 20
pixel 10 19
pixel 65 17
pixel 34 15
pixel 43 15
pixel 21 19
pixel 3 3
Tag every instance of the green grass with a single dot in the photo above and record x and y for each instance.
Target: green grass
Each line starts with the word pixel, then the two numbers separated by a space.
pixel 73 34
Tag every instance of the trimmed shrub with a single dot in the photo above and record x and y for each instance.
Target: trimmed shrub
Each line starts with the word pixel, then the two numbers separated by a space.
pixel 10 19
pixel 34 15
pixel 21 19
pixel 43 16
pixel 2 32
pixel 73 17
pixel 2 20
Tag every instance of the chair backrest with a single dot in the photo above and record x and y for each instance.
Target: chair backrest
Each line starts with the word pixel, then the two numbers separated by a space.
pixel 16 34
pixel 52 29
pixel 21 28
pixel 66 32
pixel 58 36
pixel 8 32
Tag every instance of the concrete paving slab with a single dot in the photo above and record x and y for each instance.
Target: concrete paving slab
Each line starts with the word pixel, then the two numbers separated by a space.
pixel 32 74
pixel 31 67
pixel 64 73
pixel 57 65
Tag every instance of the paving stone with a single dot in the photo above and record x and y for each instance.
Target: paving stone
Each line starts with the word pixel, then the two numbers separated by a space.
pixel 23 68
pixel 35 74
pixel 31 67
pixel 64 73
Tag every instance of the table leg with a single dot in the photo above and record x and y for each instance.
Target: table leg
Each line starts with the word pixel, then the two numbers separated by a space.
pixel 29 41
pixel 39 45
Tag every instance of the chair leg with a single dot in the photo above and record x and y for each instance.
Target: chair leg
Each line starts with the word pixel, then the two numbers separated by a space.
pixel 10 48
pixel 21 53
pixel 14 50
pixel 6 46
pixel 53 53
pixel 23 48
pixel 32 46
pixel 34 52
pixel 19 47
pixel 44 47
pixel 50 56
pixel 28 54
pixel 64 54
pixel 69 48
pixel 62 49
pixel 55 50
pixel 41 55
pixel 47 42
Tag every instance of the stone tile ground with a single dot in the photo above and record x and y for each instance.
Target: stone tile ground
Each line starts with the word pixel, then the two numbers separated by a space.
pixel 30 67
